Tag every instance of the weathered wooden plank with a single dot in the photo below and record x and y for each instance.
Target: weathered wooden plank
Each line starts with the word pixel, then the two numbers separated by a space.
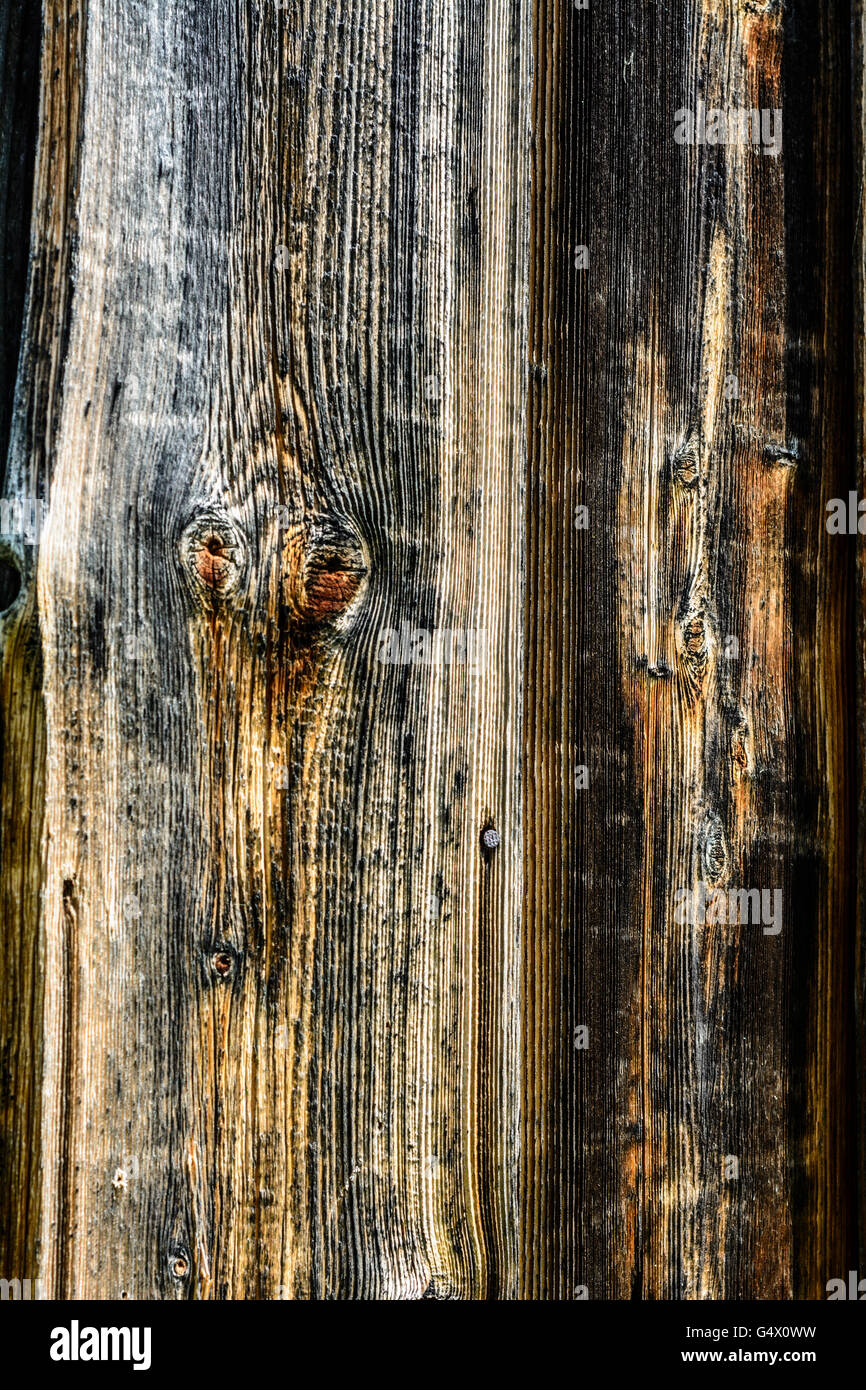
pixel 287 394
pixel 690 391
pixel 28 428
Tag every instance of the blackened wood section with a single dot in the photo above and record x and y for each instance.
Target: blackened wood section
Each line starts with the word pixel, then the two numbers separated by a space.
pixel 858 157
pixel 819 241
pixel 19 84
pixel 691 389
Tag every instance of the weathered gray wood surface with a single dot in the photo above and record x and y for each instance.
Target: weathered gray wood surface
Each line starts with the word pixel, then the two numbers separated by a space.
pixel 286 388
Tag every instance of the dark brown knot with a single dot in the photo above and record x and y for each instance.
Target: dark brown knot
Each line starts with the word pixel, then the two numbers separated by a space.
pixel 325 570
pixel 213 554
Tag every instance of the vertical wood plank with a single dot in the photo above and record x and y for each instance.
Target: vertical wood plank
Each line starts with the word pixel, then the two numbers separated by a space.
pixel 282 868
pixel 37 258
pixel 689 389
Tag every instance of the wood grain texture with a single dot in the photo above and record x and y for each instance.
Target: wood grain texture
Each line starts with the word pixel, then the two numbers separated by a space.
pixel 706 523
pixel 30 412
pixel 287 394
pixel 351 770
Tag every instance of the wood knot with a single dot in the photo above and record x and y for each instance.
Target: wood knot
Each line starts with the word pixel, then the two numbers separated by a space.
pixel 740 751
pixel 213 555
pixel 782 455
pixel 326 570
pixel 686 463
pixel 695 640
pixel 693 645
pixel 223 961
pixel 714 850
pixel 658 670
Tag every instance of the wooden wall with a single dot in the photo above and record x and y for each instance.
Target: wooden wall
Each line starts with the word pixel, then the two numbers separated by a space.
pixel 432 584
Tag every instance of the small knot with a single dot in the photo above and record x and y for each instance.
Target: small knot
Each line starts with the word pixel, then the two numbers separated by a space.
pixel 326 570
pixel 693 648
pixel 222 963
pixel 213 555
pixel 658 670
pixel 714 849
pixel 740 751
pixel 782 455
pixel 686 462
